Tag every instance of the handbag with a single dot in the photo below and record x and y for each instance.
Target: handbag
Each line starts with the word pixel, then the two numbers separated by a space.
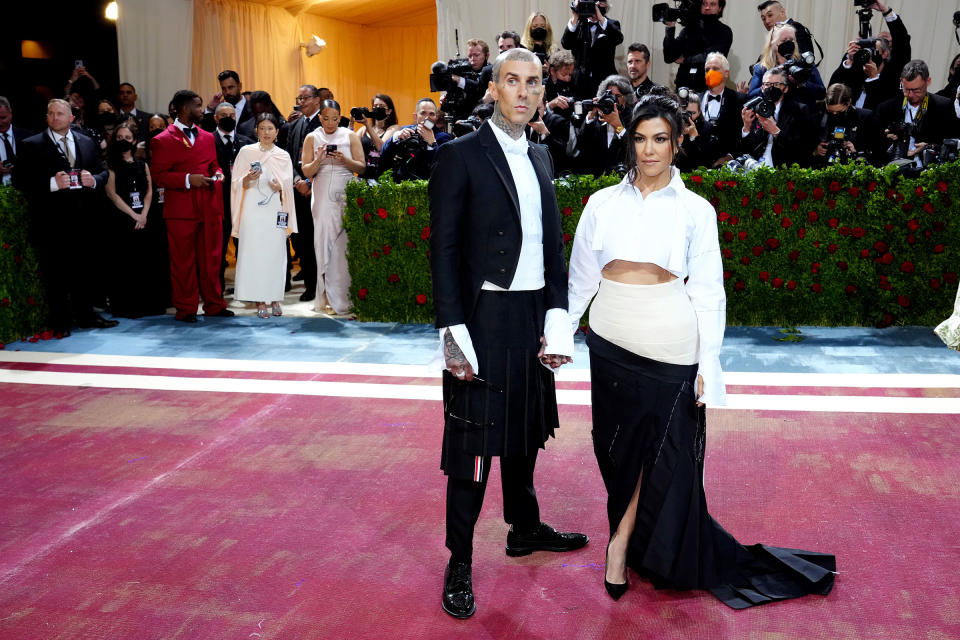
pixel 949 329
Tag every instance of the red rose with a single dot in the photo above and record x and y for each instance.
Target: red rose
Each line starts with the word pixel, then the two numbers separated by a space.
pixel 834 186
pixel 859 232
pixel 938 248
pixel 740 285
pixel 891 194
pixel 791 285
pixel 777 283
pixel 719 185
pixel 764 275
pixel 742 235
pixel 728 236
pixel 744 260
pixel 885 284
pixel 812 216
pixel 832 248
pixel 888 227
pixel 815 267
pixel 831 204
pixel 696 179
pixel 585 199
pixel 757 251
pixel 887 258
pixel 934 283
pixel 566 238
pixel 949 277
pixel 911 239
pixel 715 201
pixel 425 234
pixel 387 249
pixel 375 255
pixel 734 220
pixel 744 201
pixel 362 294
pixel 410 245
pixel 850 289
pixel 880 246
pixel 5 302
pixel 759 195
pixel 795 206
pixel 727 254
pixel 360 202
pixel 773 191
pixel 723 216
pixel 756 214
pixel 393 278
pixel 727 274
pixel 34 338
pixel 382 213
pixel 816 243
pixel 907 207
pixel 919 191
pixel 6 245
pixel 928 207
pixel 907 267
pixel 854 191
pixel 939 225
pixel 46 335
pixel 801 195
pixel 942 186
pixel 787 223
pixel 790 186
pixel 366 217
pixel 842 265
pixel 927 233
pixel 773 243
pixel 567 211
pixel 816 287
pixel 872 187
pixel 817 193
pixel 845 231
pixel 903 301
pixel 865 253
pixel 833 222
pixel 411 210
pixel 17 259
pixel 794 255
pixel 421 299
pixel 30 301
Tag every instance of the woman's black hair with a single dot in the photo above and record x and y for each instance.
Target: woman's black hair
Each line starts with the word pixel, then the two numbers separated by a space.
pixel 267 116
pixel 330 104
pixel 659 103
pixel 114 157
pixel 392 116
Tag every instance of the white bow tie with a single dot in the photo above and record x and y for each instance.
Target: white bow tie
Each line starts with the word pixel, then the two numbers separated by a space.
pixel 518 146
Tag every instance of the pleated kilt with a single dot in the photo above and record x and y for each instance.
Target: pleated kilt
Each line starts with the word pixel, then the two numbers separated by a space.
pixel 646 423
pixel 512 410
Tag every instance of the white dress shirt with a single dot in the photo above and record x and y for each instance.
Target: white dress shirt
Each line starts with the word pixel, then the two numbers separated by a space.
pixel 3 151
pixel 529 273
pixel 673 228
pixel 71 143
pixel 183 128
pixel 711 108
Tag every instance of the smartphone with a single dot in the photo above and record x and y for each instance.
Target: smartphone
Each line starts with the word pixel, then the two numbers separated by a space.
pixel 296 107
pixel 255 166
pixel 77 64
pixel 428 124
pixel 331 147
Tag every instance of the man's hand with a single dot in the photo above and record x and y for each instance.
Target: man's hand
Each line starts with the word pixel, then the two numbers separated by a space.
pixel 550 359
pixel 214 101
pixel 4 170
pixel 575 18
pixel 870 70
pixel 294 116
pixel 405 133
pixel 63 180
pixel 743 87
pixel 540 127
pixel 427 135
pixel 87 180
pixel 612 119
pixel 821 149
pixel 748 116
pixel 699 389
pixel 918 148
pixel 769 125
pixel 852 48
pixel 690 131
pixel 200 180
pixel 879 6
pixel 302 187
pixel 560 102
pixel 455 361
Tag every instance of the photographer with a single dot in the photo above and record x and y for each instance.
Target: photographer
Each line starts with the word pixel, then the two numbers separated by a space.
pixel 559 81
pixel 694 146
pixel 702 33
pixel 410 150
pixel 782 51
pixel 508 40
pixel 593 41
pixel 638 66
pixel 555 132
pixel 475 85
pixel 773 13
pixel 919 118
pixel 720 107
pixel 376 130
pixel 953 80
pixel 846 132
pixel 874 75
pixel 601 140
pixel 784 135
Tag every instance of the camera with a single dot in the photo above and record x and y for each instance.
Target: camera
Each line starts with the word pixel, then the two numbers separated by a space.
pixel 837 147
pixel 606 103
pixel 685 12
pixel 585 8
pixel 684 94
pixel 761 106
pixel 868 51
pixel 948 151
pixel 901 146
pixel 467 125
pixel 862 3
pixel 360 113
pixel 441 80
pixel 799 70
pixel 743 164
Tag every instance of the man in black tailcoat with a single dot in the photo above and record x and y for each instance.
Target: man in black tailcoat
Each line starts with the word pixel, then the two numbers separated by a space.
pixel 500 293
pixel 60 172
pixel 593 42
pixel 228 142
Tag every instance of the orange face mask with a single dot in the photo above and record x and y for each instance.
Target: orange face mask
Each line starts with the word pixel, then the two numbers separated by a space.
pixel 713 78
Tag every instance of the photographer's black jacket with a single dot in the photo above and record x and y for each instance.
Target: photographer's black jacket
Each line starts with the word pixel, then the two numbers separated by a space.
pixel 938 123
pixel 474 90
pixel 595 156
pixel 694 42
pixel 887 85
pixel 594 53
pixel 860 128
pixel 794 144
pixel 722 136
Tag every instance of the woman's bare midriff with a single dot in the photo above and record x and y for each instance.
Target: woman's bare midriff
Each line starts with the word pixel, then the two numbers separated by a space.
pixel 628 272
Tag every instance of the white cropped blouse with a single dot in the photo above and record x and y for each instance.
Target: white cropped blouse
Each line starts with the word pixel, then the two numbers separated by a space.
pixel 673 228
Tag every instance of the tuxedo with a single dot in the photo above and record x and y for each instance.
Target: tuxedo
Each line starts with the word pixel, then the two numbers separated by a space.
pixel 244 117
pixel 597 156
pixel 15 135
pixel 63 222
pixel 694 42
pixel 194 218
pixel 794 144
pixel 938 123
pixel 594 49
pixel 226 154
pixel 556 142
pixel 294 133
pixel 887 85
pixel 722 132
pixel 141 119
pixel 474 91
pixel 480 210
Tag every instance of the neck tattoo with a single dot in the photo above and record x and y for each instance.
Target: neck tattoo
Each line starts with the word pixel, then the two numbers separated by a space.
pixel 512 129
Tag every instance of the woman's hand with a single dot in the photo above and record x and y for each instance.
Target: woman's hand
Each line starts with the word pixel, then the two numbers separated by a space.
pixel 699 389
pixel 275 184
pixel 251 177
pixel 140 221
pixel 336 156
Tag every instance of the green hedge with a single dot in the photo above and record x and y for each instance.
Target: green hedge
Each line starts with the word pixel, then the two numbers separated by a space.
pixel 22 311
pixel 847 245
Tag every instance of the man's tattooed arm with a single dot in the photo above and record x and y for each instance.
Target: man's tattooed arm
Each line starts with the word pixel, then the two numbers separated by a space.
pixel 454 358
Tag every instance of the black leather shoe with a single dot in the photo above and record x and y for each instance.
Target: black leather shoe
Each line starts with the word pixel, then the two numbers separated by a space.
pixel 298 277
pixel 307 296
pixel 190 318
pixel 223 313
pixel 458 591
pixel 97 321
pixel 543 538
pixel 614 590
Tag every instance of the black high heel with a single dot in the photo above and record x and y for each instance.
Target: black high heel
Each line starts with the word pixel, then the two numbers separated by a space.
pixel 615 591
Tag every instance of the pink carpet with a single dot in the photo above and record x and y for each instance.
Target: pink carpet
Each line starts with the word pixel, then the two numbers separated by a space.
pixel 155 514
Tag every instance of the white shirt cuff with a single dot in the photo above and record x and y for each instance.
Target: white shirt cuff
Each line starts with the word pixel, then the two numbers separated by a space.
pixel 462 337
pixel 892 17
pixel 53 184
pixel 847 64
pixel 556 331
pixel 876 77
pixel 572 27
pixel 461 83
pixel 956 106
pixel 714 390
pixel 187 181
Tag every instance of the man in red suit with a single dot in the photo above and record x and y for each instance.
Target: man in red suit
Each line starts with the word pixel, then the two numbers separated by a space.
pixel 185 165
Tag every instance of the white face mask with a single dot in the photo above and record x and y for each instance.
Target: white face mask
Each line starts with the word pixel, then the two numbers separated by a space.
pixel 428 124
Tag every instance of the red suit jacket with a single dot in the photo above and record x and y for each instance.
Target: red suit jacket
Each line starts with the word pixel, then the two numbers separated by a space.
pixel 173 157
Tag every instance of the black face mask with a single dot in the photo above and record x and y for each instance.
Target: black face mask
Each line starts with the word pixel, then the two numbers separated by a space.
pixel 122 146
pixel 227 124
pixel 107 118
pixel 786 48
pixel 153 133
pixel 539 34
pixel 773 94
pixel 603 10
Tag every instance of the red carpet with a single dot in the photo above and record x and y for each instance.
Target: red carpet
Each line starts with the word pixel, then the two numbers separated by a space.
pixel 132 514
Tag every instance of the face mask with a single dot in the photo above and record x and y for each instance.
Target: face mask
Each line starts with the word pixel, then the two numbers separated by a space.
pixel 122 146
pixel 154 133
pixel 227 124
pixel 603 10
pixel 786 48
pixel 713 78
pixel 107 118
pixel 538 34
pixel 773 94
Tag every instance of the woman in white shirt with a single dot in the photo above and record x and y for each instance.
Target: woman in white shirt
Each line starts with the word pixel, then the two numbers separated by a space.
pixel 648 249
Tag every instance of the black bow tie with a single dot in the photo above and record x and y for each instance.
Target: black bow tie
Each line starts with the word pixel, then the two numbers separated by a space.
pixel 711 98
pixel 191 131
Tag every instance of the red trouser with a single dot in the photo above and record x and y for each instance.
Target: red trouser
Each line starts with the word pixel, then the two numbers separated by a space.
pixel 195 247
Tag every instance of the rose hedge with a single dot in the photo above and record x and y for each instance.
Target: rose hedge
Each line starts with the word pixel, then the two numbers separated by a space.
pixel 846 245
pixel 22 311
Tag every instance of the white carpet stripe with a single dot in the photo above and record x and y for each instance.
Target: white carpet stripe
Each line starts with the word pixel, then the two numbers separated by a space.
pixel 745 378
pixel 848 404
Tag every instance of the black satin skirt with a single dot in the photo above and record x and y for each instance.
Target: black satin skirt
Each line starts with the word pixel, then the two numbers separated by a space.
pixel 512 409
pixel 646 423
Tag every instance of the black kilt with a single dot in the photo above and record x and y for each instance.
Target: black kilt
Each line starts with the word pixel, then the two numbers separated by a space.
pixel 513 409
